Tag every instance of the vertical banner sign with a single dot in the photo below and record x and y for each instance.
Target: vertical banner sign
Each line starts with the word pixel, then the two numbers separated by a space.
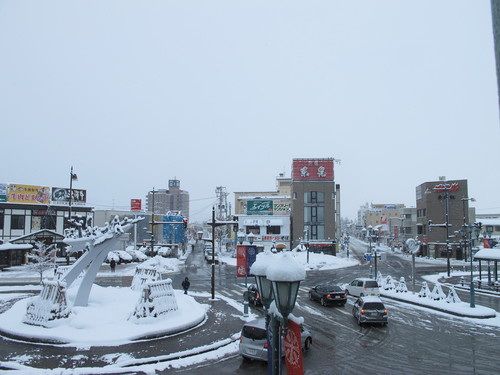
pixel 241 261
pixel 251 256
pixel 269 346
pixel 293 350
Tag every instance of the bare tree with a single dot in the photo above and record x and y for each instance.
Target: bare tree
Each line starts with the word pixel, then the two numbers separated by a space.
pixel 42 258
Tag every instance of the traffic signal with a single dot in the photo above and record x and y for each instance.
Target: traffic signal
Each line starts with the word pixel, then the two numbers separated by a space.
pixel 185 223
pixel 235 225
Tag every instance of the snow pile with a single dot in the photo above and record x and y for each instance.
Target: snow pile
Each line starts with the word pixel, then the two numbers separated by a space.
pixel 49 305
pixel 157 299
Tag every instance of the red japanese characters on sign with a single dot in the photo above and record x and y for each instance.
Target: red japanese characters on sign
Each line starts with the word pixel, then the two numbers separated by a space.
pixel 293 350
pixel 312 169
pixel 241 261
pixel 446 187
pixel 135 204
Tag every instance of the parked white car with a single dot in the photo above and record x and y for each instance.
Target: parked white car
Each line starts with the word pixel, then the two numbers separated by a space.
pixel 164 251
pixel 137 255
pixel 123 256
pixel 113 255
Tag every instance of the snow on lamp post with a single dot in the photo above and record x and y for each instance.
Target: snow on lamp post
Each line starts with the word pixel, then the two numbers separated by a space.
pixel 241 237
pixel 278 278
pixel 285 275
pixel 250 238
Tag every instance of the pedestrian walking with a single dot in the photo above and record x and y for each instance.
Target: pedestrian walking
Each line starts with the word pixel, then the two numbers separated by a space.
pixel 112 264
pixel 185 285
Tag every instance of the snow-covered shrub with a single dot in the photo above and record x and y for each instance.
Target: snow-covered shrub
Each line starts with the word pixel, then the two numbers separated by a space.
pixel 437 293
pixel 453 296
pixel 42 257
pixel 50 304
pixel 389 283
pixel 401 288
pixel 157 299
pixel 425 291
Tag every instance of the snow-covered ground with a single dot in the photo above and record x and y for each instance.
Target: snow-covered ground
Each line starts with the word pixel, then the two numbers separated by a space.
pixel 113 306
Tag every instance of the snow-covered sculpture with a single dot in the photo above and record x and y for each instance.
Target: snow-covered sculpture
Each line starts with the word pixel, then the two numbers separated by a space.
pixel 437 293
pixel 49 305
pixel 425 292
pixel 379 279
pixel 389 283
pixel 99 246
pixel 145 274
pixel 157 299
pixel 452 296
pixel 401 288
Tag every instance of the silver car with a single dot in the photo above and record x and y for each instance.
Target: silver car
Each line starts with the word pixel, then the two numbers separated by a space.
pixel 253 341
pixel 370 310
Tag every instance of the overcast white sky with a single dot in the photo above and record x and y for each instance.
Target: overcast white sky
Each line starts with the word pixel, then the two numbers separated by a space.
pixel 227 93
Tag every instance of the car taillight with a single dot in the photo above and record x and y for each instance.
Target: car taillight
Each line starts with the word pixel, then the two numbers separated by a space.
pixel 362 311
pixel 258 295
pixel 385 312
pixel 265 345
pixel 328 295
pixel 241 339
pixel 344 295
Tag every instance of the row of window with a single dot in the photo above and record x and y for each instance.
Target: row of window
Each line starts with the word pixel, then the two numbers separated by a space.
pixel 37 222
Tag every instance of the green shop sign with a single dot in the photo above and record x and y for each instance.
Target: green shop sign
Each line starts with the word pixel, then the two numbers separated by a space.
pixel 260 207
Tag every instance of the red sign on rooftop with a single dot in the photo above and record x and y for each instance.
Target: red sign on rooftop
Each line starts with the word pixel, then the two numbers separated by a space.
pixel 312 169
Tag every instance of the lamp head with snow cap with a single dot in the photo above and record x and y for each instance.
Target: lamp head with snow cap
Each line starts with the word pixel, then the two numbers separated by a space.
pixel 258 269
pixel 285 275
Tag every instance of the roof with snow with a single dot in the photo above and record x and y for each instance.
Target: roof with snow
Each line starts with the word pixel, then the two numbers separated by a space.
pixel 488 254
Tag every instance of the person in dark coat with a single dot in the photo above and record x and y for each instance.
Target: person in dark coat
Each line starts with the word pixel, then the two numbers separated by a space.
pixel 112 264
pixel 185 285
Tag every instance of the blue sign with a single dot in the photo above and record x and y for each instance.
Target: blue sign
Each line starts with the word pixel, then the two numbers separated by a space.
pixel 269 347
pixel 251 256
pixel 368 257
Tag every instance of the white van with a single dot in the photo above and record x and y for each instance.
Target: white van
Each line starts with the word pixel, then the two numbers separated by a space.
pixel 363 287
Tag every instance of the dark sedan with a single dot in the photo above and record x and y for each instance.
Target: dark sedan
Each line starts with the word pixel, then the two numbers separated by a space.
pixel 253 295
pixel 328 294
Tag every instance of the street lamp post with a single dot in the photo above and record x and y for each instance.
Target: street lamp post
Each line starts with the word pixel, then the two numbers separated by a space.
pixel 278 280
pixel 465 222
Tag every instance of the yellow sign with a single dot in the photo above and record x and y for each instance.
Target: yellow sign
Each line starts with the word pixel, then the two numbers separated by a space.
pixel 28 194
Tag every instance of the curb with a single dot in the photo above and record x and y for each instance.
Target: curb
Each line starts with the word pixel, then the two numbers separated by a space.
pixel 440 309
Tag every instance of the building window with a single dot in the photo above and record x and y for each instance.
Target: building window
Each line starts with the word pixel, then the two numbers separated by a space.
pixel 1 219
pixel 315 232
pixel 421 212
pixel 17 222
pixel 314 214
pixel 253 229
pixel 314 197
pixel 273 229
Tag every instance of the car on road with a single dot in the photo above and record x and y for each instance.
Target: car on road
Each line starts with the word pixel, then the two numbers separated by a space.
pixel 363 287
pixel 328 294
pixel 370 310
pixel 253 341
pixel 123 256
pixel 164 251
pixel 209 257
pixel 253 295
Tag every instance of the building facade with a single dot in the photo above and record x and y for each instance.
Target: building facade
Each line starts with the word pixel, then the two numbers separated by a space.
pixel 170 200
pixel 314 200
pixel 442 209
